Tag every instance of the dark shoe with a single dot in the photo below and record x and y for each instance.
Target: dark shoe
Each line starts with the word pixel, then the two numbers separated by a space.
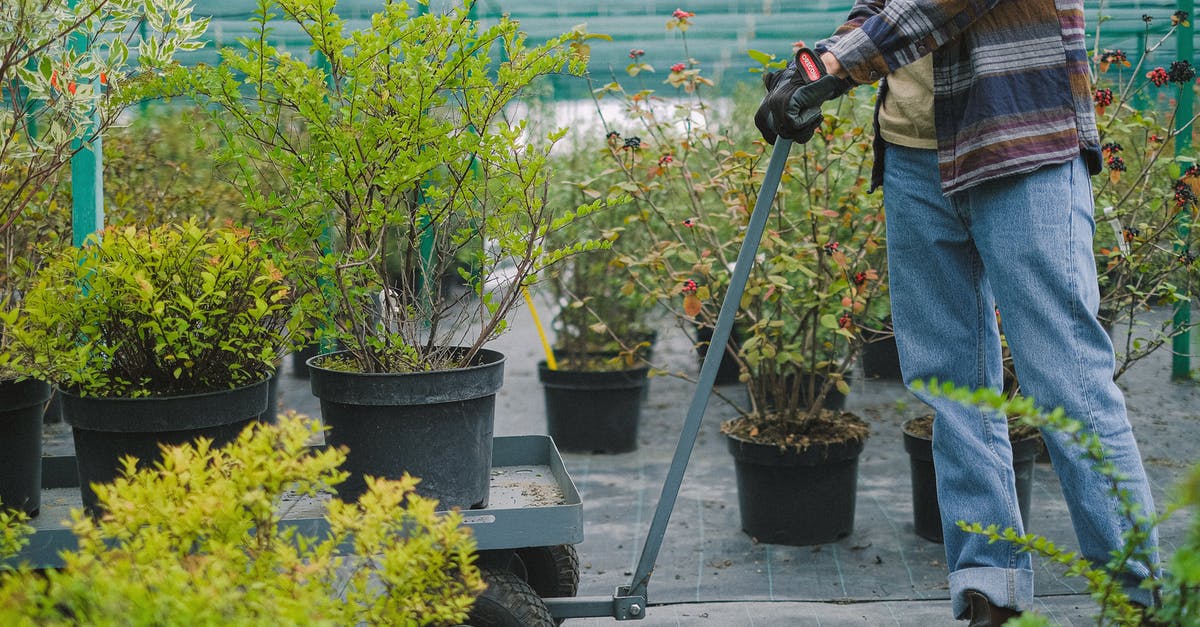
pixel 984 614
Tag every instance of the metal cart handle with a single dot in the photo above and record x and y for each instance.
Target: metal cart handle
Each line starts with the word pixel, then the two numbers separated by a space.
pixel 629 602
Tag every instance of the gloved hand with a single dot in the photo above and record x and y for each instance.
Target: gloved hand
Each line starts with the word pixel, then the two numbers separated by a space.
pixel 792 106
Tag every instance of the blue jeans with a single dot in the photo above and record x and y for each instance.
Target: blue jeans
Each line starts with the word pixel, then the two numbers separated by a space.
pixel 1023 243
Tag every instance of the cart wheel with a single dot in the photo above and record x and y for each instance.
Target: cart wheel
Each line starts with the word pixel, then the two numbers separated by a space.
pixel 508 602
pixel 552 571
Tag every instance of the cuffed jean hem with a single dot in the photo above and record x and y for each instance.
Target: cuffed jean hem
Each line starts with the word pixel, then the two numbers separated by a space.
pixel 1004 587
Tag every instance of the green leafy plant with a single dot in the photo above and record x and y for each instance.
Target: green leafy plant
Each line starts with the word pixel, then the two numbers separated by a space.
pixel 394 148
pixel 160 169
pixel 693 167
pixel 65 78
pixel 198 540
pixel 1177 588
pixel 14 534
pixel 1147 204
pixel 601 321
pixel 171 310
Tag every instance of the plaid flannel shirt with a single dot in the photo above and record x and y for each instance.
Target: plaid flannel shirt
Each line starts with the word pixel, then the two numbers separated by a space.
pixel 1011 85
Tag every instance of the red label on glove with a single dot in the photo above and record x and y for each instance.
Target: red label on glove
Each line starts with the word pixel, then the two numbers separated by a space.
pixel 809 64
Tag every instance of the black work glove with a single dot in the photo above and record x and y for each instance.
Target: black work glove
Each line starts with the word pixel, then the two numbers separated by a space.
pixel 792 106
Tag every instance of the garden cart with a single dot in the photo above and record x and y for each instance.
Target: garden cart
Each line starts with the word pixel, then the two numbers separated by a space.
pixel 525 537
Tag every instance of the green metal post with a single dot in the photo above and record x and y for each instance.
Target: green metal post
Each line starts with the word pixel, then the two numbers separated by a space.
pixel 1181 344
pixel 328 344
pixel 426 281
pixel 87 173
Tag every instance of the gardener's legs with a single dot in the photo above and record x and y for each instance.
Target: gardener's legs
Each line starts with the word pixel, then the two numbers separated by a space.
pixel 1034 233
pixel 945 325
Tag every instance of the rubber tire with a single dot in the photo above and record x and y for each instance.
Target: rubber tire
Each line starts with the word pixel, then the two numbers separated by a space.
pixel 552 571
pixel 508 602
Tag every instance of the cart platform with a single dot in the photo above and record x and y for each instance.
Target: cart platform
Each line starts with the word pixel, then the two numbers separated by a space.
pixel 532 502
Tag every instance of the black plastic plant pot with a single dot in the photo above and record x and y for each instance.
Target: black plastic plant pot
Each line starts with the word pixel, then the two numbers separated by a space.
pixel 728 371
pixel 881 359
pixel 796 498
pixel 22 404
pixel 107 429
pixel 271 415
pixel 927 515
pixel 434 425
pixel 300 359
pixel 593 411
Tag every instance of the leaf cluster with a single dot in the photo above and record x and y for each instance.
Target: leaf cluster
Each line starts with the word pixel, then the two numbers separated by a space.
pixel 389 159
pixel 198 540
pixel 1147 208
pixel 175 309
pixel 694 169
pixel 1175 588
pixel 66 76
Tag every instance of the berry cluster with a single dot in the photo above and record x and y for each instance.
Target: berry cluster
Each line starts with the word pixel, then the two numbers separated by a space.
pixel 1184 196
pixel 689 287
pixel 1103 98
pixel 1181 72
pixel 1108 57
pixel 831 247
pixel 1158 76
pixel 636 53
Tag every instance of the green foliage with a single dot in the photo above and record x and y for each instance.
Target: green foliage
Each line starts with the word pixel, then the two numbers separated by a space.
pixel 197 540
pixel 1147 219
pixel 601 320
pixel 694 168
pixel 170 310
pixel 14 533
pixel 1178 587
pixel 160 169
pixel 65 78
pixel 393 147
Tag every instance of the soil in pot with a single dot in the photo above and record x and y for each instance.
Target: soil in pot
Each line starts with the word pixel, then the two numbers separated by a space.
pixel 593 410
pixel 797 487
pixel 918 441
pixel 436 425
pixel 22 405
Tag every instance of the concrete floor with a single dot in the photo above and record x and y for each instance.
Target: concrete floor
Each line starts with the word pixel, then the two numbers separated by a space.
pixel 710 572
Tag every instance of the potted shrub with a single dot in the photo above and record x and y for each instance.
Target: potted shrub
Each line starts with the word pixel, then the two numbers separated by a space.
pixel 603 345
pixel 1027 448
pixel 198 540
pixel 60 95
pixel 918 443
pixel 388 158
pixel 1146 203
pixel 695 174
pixel 154 336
